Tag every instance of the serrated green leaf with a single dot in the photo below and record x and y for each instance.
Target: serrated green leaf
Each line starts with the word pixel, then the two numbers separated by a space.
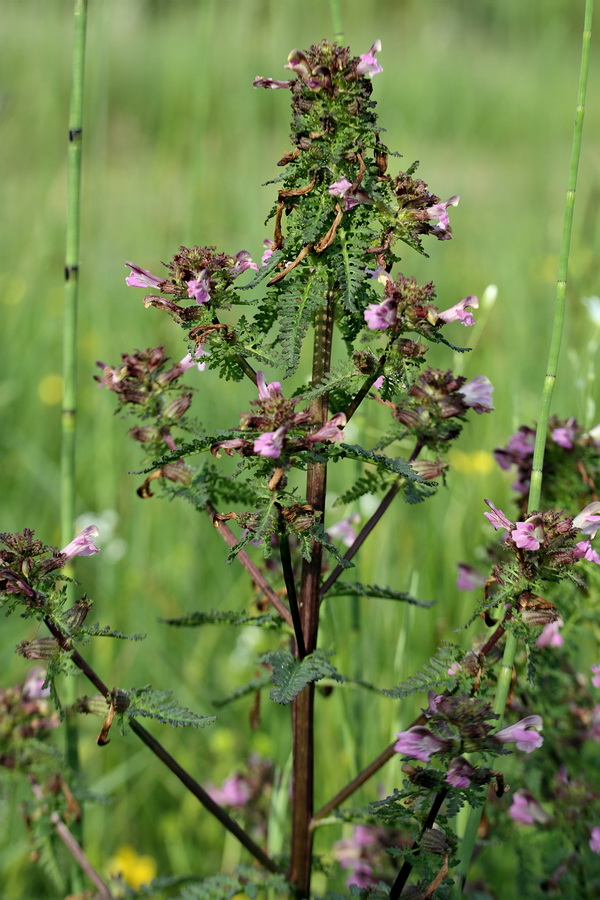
pixel 433 674
pixel 344 589
pixel 290 676
pixel 160 705
pixel 98 630
pixel 225 617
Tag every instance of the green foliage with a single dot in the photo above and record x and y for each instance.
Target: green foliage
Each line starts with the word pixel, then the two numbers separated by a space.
pixel 225 617
pixel 160 705
pixel 290 675
pixel 255 684
pixel 433 674
pixel 346 589
pixel 245 879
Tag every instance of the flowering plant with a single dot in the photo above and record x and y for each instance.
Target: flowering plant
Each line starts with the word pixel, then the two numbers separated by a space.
pixel 328 286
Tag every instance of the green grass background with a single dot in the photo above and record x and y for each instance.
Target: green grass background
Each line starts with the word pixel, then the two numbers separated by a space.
pixel 176 147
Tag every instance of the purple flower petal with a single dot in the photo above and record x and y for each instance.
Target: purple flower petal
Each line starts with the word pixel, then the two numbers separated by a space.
pixel 83 544
pixel 497 517
pixel 368 65
pixel 477 393
pixel 523 733
pixel 526 810
pixel 550 636
pixel 141 277
pixel 270 443
pixel 459 312
pixel 418 743
pixel 380 316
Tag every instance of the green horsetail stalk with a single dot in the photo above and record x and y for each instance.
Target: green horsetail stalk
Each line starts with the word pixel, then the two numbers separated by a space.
pixel 68 459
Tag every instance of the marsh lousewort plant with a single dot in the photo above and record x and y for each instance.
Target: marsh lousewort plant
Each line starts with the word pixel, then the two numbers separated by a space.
pixel 329 289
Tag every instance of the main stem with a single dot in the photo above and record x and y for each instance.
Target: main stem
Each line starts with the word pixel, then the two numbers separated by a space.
pixel 303 707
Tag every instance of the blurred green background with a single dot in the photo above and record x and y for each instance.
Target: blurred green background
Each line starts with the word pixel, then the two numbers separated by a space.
pixel 176 147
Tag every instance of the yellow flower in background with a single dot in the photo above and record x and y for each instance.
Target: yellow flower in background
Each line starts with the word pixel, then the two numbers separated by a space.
pixel 134 869
pixel 50 389
pixel 481 462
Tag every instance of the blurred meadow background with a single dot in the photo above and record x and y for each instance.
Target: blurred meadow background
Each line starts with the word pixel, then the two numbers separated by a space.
pixel 177 147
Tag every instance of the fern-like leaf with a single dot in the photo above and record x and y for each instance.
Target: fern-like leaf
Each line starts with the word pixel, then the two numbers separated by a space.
pixel 160 705
pixel 433 674
pixel 290 675
pixel 344 589
pixel 255 684
pixel 224 617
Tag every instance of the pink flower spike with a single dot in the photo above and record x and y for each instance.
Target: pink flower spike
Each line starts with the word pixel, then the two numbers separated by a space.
pixel 524 536
pixel 526 810
pixel 459 312
pixel 477 393
pixel 380 316
pixel 270 443
pixel 523 733
pixel 596 676
pixel 595 839
pixel 584 550
pixel 497 517
pixel 368 65
pixel 588 520
pixel 550 636
pixel 332 431
pixel 460 772
pixel 198 288
pixel 418 743
pixel 83 544
pixel 141 277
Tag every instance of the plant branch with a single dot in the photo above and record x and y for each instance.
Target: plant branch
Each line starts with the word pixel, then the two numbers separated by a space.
pixel 74 848
pixel 252 569
pixel 406 869
pixel 186 779
pixel 288 575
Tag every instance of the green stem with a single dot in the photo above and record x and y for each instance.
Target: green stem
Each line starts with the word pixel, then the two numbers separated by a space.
pixel 510 648
pixel 336 18
pixel 68 462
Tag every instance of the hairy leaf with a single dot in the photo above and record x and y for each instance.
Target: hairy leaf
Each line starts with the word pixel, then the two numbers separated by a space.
pixel 255 684
pixel 434 673
pixel 160 705
pixel 290 675
pixel 344 589
pixel 224 617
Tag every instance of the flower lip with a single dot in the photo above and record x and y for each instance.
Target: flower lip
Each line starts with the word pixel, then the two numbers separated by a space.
pixel 141 277
pixel 524 733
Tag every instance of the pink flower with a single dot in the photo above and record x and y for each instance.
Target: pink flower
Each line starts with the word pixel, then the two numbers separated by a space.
pixel 368 65
pixel 267 391
pixel 460 772
pixel 439 211
pixel 468 578
pixel 34 689
pixel 565 435
pixel 477 393
pixel 418 743
pixel 525 809
pixel 331 431
pixel 198 288
pixel 234 792
pixel 584 550
pixel 271 83
pixel 595 839
pixel 188 362
pixel 141 277
pixel 596 676
pixel 497 517
pixel 243 261
pixel 588 520
pixel 526 535
pixel 362 875
pixel 523 733
pixel 459 312
pixel 594 730
pixel 380 316
pixel 270 248
pixel 343 529
pixel 341 188
pixel 83 544
pixel 270 443
pixel 550 636
pixel 454 669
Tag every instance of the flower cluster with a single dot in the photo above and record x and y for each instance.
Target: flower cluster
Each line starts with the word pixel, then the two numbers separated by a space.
pixel 364 856
pixel 459 725
pixel 437 403
pixel 571 461
pixel 25 714
pixel 408 307
pixel 25 561
pixel 275 414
